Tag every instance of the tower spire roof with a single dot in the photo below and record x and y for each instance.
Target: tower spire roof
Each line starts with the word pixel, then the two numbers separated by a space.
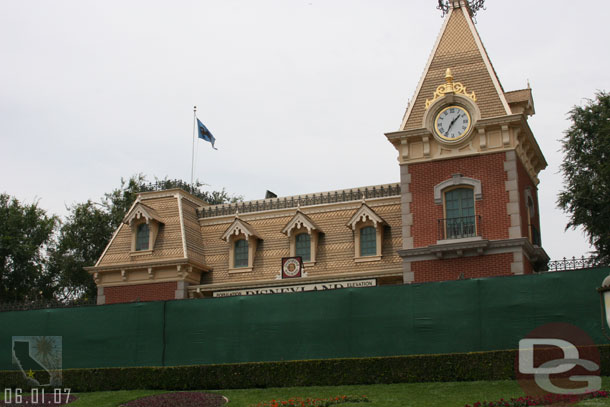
pixel 459 48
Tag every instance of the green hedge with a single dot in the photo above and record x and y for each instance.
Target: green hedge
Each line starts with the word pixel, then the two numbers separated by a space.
pixel 495 365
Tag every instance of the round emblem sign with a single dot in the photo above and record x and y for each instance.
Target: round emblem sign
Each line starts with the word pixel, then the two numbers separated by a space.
pixel 292 268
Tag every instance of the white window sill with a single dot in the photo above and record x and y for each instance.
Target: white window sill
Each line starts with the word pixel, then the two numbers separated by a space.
pixel 309 263
pixel 240 270
pixel 461 240
pixel 140 252
pixel 367 259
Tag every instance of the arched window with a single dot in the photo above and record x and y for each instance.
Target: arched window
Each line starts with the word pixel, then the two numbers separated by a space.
pixel 241 253
pixel 142 237
pixel 368 241
pixel 303 246
pixel 460 221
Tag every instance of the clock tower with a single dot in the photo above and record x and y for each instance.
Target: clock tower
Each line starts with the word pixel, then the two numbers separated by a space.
pixel 469 165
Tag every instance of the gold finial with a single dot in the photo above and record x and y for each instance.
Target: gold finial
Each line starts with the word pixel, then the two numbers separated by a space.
pixel 449 76
pixel 449 79
pixel 450 87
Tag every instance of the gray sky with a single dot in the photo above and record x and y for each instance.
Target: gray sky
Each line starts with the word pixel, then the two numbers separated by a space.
pixel 298 93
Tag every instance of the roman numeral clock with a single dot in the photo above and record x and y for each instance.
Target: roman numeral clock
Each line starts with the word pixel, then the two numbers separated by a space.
pixel 451 114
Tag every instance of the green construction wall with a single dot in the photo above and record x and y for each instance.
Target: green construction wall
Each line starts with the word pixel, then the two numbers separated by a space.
pixel 447 317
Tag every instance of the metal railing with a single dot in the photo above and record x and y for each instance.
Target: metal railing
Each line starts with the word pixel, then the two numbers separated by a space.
pixel 459 228
pixel 575 263
pixel 380 191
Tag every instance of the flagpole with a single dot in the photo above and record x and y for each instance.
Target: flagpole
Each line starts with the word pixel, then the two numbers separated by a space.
pixel 193 153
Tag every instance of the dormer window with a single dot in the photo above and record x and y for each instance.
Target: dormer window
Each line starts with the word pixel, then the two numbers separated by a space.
pixel 142 237
pixel 302 246
pixel 145 224
pixel 368 241
pixel 243 241
pixel 368 234
pixel 240 254
pixel 304 235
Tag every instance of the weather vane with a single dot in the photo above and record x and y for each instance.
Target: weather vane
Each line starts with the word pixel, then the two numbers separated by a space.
pixel 474 6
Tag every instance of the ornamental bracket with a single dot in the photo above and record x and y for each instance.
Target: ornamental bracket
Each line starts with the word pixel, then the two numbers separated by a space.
pixel 448 88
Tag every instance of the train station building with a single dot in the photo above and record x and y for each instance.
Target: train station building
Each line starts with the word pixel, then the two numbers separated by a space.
pixel 465 206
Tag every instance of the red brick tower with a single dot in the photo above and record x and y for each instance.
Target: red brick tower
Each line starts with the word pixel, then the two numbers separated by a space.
pixel 469 165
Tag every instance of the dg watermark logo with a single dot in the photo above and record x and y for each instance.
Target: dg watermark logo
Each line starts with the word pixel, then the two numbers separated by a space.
pixel 558 358
pixel 39 358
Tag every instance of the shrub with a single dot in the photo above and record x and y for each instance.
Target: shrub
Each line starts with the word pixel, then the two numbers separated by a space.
pixel 484 366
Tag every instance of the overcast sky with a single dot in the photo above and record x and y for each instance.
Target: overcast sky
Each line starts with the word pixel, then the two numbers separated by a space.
pixel 298 93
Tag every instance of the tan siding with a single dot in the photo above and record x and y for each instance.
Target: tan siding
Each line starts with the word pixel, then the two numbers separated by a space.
pixel 335 249
pixel 457 50
pixel 169 240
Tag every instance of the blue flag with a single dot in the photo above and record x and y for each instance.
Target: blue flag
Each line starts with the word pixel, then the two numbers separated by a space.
pixel 205 134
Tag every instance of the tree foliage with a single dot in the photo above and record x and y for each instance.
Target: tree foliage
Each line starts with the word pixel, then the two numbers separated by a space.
pixel 25 233
pixel 586 171
pixel 81 240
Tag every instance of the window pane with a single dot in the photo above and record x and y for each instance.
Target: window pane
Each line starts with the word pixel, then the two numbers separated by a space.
pixel 368 241
pixel 241 253
pixel 142 236
pixel 303 246
pixel 459 210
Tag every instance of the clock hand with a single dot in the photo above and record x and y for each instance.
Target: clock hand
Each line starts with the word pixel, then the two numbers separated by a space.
pixel 451 124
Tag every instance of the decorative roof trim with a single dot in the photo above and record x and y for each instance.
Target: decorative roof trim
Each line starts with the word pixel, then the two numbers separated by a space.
pixel 296 201
pixel 298 221
pixel 141 211
pixel 363 214
pixel 239 227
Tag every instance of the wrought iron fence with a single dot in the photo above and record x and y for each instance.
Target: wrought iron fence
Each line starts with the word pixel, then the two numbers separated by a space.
pixel 574 263
pixel 458 228
pixel 44 304
pixel 474 6
pixel 301 200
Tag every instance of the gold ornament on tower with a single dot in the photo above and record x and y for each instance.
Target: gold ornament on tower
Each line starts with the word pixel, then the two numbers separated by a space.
pixel 450 87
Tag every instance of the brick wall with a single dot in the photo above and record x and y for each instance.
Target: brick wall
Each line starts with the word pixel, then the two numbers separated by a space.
pixel 488 168
pixel 141 292
pixel 472 267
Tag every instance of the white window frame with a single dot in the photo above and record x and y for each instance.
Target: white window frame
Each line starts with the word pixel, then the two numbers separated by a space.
pixel 299 224
pixel 365 216
pixel 238 230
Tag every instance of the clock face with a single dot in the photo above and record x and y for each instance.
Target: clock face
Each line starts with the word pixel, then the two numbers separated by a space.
pixel 452 123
